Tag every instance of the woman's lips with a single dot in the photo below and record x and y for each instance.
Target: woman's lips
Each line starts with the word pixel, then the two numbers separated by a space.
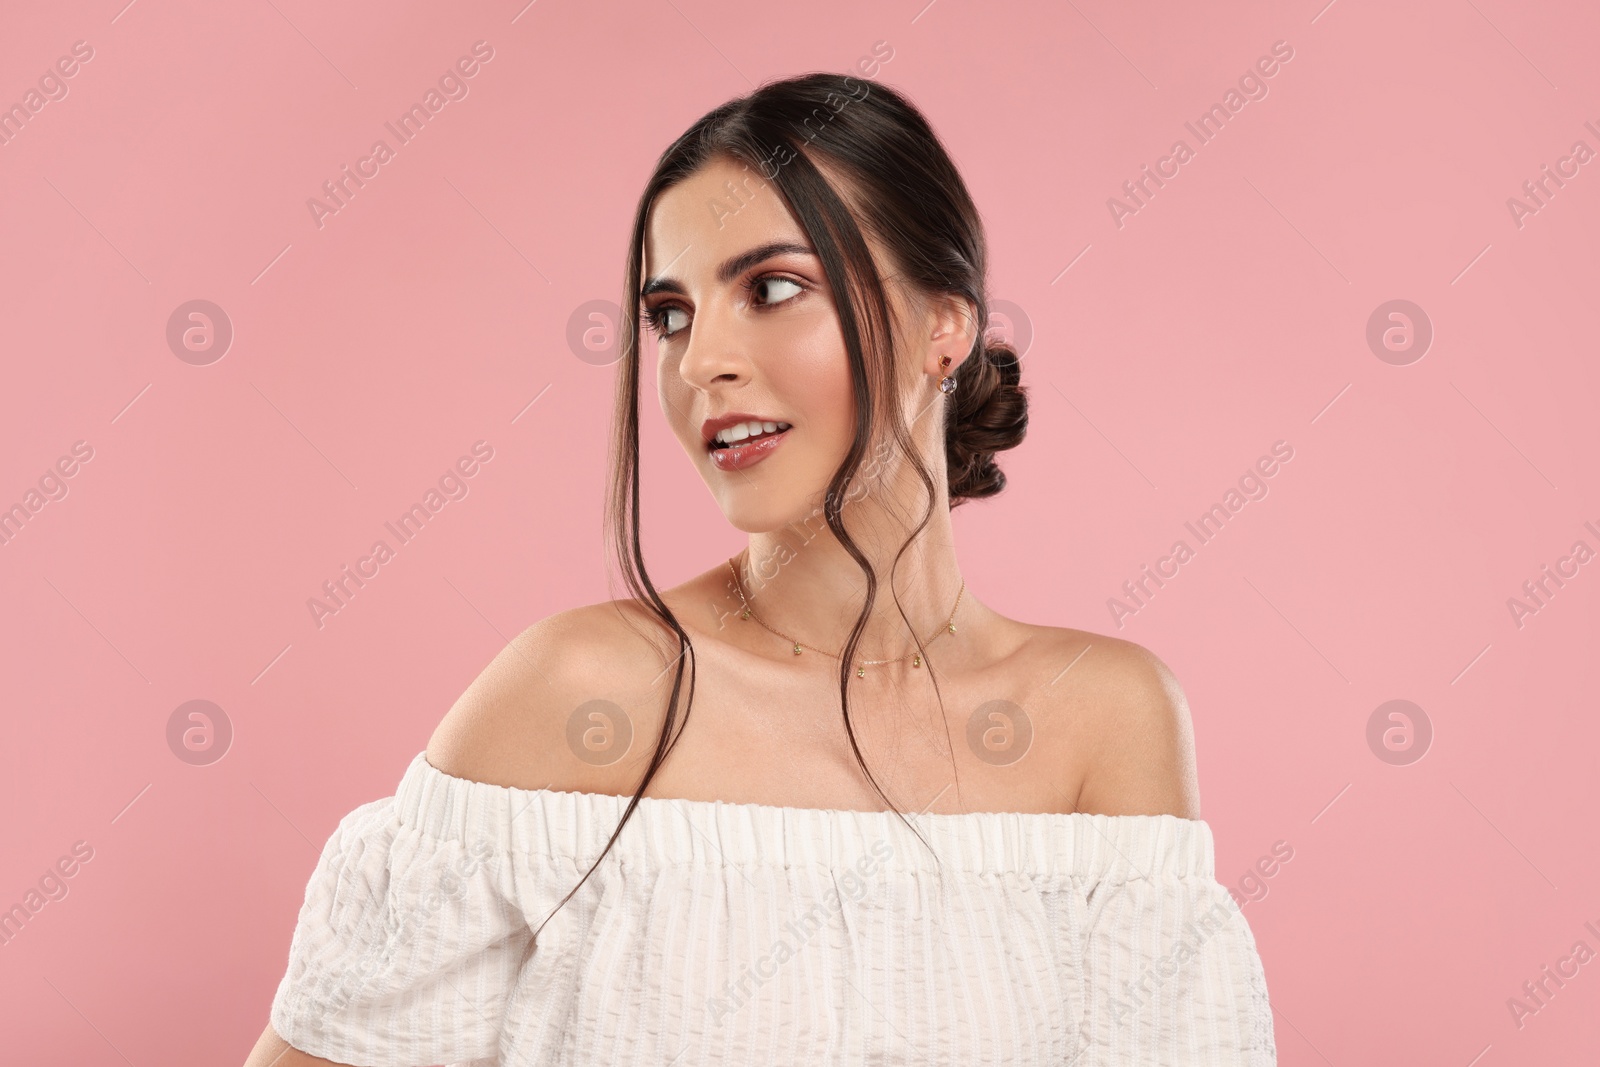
pixel 749 452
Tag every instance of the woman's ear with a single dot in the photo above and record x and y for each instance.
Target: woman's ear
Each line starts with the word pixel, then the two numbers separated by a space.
pixel 952 324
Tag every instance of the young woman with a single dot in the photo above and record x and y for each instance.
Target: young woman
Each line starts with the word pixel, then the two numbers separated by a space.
pixel 898 827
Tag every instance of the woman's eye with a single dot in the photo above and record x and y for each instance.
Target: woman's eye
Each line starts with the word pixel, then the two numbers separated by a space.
pixel 763 283
pixel 658 319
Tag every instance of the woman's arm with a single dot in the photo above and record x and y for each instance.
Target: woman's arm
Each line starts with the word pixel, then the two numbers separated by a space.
pixel 273 1051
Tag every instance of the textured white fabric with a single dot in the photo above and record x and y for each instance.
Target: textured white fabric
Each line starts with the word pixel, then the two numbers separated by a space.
pixel 717 933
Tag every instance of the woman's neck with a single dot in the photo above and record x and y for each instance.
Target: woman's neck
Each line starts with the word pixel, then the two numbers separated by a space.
pixel 802 583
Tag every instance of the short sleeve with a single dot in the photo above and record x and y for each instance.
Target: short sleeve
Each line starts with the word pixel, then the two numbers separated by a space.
pixel 407 947
pixel 1173 975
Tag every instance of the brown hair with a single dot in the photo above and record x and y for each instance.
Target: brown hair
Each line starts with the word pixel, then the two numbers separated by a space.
pixel 908 194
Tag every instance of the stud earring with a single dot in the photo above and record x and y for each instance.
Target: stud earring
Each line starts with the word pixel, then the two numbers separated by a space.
pixel 947 384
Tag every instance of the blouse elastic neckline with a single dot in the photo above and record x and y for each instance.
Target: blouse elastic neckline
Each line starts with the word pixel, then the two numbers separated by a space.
pixel 572 827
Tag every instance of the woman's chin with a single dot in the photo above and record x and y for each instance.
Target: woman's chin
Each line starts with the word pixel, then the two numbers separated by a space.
pixel 759 521
pixel 749 512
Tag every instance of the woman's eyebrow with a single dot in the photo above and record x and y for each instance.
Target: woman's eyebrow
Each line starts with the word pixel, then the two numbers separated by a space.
pixel 732 267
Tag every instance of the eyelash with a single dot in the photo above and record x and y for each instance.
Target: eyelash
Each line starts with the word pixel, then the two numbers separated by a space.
pixel 653 316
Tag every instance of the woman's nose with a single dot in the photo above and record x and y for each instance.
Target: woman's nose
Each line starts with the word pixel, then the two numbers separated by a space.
pixel 716 349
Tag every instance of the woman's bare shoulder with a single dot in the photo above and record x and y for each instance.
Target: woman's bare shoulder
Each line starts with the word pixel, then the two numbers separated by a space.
pixel 1134 736
pixel 601 664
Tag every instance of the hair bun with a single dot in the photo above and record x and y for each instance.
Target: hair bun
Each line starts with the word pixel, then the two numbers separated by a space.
pixel 987 413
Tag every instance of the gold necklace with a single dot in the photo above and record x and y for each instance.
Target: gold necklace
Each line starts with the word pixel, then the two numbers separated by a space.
pixel 861 665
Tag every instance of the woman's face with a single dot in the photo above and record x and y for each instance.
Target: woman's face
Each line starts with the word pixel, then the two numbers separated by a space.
pixel 749 327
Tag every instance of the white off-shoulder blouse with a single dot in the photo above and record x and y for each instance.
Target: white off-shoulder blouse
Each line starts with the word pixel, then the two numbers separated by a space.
pixel 752 935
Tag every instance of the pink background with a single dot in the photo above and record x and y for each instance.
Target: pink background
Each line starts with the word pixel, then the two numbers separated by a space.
pixel 1230 312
